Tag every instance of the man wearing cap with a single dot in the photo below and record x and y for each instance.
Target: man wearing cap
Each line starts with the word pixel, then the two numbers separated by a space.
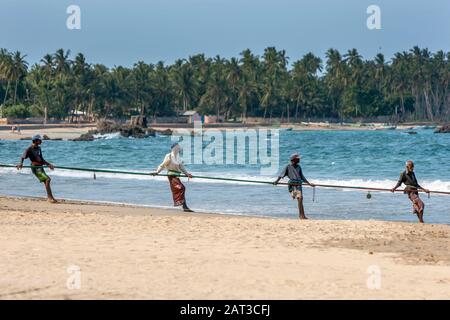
pixel 295 174
pixel 34 153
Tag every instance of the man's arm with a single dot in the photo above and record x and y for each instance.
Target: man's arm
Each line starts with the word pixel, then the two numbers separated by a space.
pixel 303 177
pixel 22 159
pixel 48 164
pixel 183 169
pixel 164 164
pixel 282 174
pixel 419 186
pixel 399 182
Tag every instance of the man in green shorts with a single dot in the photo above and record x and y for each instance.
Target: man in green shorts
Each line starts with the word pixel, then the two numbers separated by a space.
pixel 34 153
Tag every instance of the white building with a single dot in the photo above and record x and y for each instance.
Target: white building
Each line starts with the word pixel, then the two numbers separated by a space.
pixel 192 116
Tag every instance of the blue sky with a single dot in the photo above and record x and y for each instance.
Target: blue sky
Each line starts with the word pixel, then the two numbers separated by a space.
pixel 123 32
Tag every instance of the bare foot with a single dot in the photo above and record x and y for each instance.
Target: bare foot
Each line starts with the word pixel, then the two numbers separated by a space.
pixel 52 201
pixel 303 218
pixel 188 210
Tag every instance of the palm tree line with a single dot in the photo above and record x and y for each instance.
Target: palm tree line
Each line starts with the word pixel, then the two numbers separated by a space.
pixel 413 85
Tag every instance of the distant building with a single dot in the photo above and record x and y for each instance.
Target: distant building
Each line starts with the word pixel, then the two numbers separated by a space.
pixel 211 119
pixel 192 116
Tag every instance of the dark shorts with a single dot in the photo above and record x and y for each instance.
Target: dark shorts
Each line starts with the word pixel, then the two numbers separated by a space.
pixel 40 174
pixel 296 190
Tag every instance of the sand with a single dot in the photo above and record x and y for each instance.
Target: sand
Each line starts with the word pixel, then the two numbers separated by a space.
pixel 126 252
pixel 64 133
pixel 72 131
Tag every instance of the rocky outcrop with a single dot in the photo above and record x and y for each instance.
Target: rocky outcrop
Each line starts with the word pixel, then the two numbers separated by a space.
pixel 85 137
pixel 107 126
pixel 136 132
pixel 444 129
pixel 167 132
pixel 44 137
pixel 126 130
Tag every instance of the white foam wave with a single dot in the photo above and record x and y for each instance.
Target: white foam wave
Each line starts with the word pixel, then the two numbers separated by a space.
pixel 436 185
pixel 107 136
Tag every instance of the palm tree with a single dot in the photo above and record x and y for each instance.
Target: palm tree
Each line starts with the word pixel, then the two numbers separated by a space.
pixel 380 70
pixel 233 77
pixel 63 93
pixel 202 70
pixel 304 82
pixel 251 70
pixel 275 73
pixel 247 90
pixel 185 84
pixel 36 80
pixel 440 79
pixel 335 79
pixel 62 62
pixel 81 74
pixel 416 60
pixel 414 83
pixel 140 83
pixel 19 70
pixel 6 70
pixel 113 93
pixel 250 65
pixel 48 69
pixel 162 89
pixel 355 66
pixel 216 91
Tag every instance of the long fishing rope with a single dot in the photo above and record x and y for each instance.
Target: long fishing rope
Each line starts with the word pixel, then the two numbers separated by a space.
pixel 220 179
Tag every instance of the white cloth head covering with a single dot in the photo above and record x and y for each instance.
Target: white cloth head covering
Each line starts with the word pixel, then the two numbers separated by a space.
pixel 295 156
pixel 175 153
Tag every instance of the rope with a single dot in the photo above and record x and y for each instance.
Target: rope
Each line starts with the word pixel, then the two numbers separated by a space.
pixel 221 179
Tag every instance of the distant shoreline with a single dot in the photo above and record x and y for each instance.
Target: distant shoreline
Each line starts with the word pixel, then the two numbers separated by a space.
pixel 72 131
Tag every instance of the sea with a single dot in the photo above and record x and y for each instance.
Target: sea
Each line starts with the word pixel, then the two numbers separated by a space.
pixel 372 158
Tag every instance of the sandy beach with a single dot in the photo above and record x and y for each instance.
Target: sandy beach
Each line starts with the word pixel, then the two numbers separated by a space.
pixel 64 133
pixel 126 252
pixel 72 131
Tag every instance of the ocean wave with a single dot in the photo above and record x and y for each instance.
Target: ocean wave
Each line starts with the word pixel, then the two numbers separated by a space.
pixel 108 136
pixel 436 185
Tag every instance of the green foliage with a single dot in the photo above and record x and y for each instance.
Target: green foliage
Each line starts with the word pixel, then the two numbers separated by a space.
pixel 413 85
pixel 18 111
